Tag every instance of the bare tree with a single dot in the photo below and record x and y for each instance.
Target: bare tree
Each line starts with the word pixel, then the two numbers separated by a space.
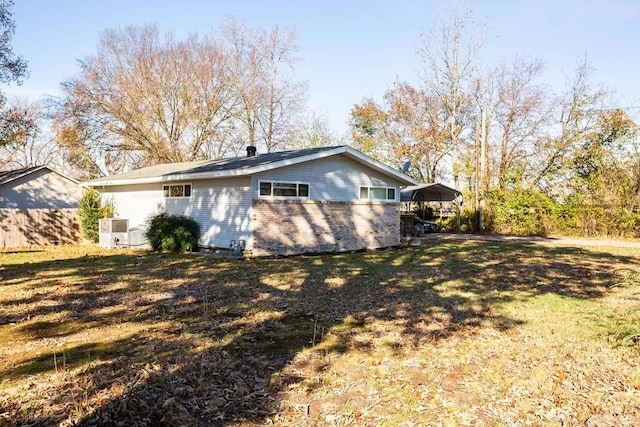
pixel 244 66
pixel 145 99
pixel 285 97
pixel 313 132
pixel 142 100
pixel 575 115
pixel 25 142
pixel 521 114
pixel 449 53
pixel 262 72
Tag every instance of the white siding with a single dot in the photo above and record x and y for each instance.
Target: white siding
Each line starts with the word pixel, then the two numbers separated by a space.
pixel 336 178
pixel 42 189
pixel 221 207
pixel 135 202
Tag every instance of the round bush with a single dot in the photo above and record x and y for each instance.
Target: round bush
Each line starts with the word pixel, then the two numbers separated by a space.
pixel 172 233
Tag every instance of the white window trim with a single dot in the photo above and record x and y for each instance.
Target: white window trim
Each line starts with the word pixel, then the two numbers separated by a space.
pixel 271 196
pixel 369 187
pixel 175 185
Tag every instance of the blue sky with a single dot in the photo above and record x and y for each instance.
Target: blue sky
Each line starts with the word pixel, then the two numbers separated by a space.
pixel 350 49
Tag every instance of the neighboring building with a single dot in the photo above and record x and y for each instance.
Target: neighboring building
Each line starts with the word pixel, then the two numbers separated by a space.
pixel 313 200
pixel 38 206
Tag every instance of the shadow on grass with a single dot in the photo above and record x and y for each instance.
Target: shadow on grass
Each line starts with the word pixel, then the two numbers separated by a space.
pixel 210 339
pixel 62 359
pixel 21 251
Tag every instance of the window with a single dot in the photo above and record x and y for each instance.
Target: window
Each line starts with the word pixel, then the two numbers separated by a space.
pixel 377 193
pixel 284 189
pixel 391 193
pixel 265 188
pixel 182 190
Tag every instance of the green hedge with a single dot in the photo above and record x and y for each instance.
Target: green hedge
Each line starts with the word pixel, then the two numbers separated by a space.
pixel 521 212
pixel 530 212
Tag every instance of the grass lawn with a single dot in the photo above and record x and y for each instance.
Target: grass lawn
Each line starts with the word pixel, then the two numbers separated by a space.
pixel 449 333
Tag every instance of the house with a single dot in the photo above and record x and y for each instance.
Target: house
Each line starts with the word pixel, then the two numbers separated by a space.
pixel 312 200
pixel 38 206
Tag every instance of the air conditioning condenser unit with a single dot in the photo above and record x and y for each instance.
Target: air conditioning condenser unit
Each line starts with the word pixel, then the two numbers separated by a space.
pixel 113 233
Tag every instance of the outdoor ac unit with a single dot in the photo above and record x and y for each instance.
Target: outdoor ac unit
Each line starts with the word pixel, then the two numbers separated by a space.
pixel 113 233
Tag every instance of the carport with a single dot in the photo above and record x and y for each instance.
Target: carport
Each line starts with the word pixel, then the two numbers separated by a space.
pixel 421 193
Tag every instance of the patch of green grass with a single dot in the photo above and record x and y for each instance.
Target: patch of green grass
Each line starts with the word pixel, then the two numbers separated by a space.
pixel 631 277
pixel 623 326
pixel 550 313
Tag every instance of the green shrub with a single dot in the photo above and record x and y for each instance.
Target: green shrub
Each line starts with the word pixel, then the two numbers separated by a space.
pixel 467 222
pixel 172 233
pixel 522 212
pixel 567 217
pixel 624 223
pixel 92 209
pixel 576 217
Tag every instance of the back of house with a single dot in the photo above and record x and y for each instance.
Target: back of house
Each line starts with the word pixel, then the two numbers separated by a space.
pixel 312 200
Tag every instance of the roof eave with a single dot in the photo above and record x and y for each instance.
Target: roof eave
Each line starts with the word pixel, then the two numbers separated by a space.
pixel 22 175
pixel 105 182
pixel 354 154
pixel 343 149
pixel 38 169
pixel 375 164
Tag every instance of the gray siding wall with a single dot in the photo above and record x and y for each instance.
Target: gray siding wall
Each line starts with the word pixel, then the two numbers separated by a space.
pixel 221 207
pixel 40 190
pixel 336 178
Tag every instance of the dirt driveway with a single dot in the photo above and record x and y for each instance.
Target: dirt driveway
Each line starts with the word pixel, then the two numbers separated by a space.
pixel 566 241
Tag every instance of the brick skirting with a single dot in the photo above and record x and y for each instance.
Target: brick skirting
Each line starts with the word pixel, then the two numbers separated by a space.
pixel 286 227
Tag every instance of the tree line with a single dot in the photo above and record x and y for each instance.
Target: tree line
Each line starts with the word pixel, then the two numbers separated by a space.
pixel 529 159
pixel 146 98
pixel 534 160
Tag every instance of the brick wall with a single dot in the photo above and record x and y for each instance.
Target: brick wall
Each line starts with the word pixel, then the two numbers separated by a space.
pixel 293 227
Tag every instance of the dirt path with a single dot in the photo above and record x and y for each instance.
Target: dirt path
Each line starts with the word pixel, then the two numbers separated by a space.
pixel 567 241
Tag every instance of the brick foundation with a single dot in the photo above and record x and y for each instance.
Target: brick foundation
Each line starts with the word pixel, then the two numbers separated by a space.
pixel 286 227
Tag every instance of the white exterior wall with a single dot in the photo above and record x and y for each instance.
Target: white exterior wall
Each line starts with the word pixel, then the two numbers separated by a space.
pixel 221 207
pixel 135 202
pixel 336 178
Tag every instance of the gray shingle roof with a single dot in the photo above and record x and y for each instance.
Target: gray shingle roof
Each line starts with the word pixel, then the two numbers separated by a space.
pixel 235 166
pixel 218 165
pixel 240 163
